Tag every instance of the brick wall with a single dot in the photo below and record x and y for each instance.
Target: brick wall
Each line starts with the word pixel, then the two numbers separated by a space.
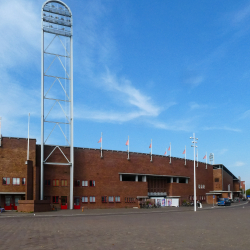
pixel 105 173
pixel 13 155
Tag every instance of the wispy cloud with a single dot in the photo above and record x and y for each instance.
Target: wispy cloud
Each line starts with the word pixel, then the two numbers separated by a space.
pixel 245 115
pixel 19 32
pixel 239 164
pixel 222 151
pixel 222 128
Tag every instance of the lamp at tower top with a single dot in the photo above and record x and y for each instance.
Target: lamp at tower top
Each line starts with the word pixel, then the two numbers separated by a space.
pixel 57 18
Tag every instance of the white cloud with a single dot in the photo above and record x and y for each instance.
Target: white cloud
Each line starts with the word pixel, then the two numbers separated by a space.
pixel 223 151
pixel 222 128
pixel 19 32
pixel 239 164
pixel 245 115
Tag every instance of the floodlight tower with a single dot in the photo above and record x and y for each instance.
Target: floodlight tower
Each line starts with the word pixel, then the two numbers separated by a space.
pixel 57 87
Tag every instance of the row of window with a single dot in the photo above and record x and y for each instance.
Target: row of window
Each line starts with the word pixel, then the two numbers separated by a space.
pixel 15 181
pixel 201 186
pixel 200 197
pixel 64 183
pixel 91 199
pixel 90 183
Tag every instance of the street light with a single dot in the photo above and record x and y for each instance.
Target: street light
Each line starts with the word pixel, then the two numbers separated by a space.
pixel 194 145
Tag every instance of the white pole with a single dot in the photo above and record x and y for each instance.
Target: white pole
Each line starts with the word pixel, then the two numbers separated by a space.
pixel 194 169
pixel 28 149
pixel 128 147
pixel 185 156
pixel 170 152
pixel 101 144
pixel 245 190
pixel 151 149
pixel 197 157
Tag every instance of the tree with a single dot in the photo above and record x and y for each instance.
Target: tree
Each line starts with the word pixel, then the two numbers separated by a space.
pixel 248 192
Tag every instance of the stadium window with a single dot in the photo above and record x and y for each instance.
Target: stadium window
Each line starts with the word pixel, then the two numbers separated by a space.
pixel 64 183
pixel 111 199
pixel 47 182
pixel 84 183
pixel 16 181
pixel 104 199
pixel 117 199
pixel 77 183
pixel 23 181
pixel 55 199
pixel 92 183
pixel 92 199
pixel 84 199
pixel 55 183
pixel 6 181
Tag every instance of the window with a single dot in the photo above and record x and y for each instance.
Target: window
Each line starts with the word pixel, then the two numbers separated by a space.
pixel 23 181
pixel 16 181
pixel 92 183
pixel 47 182
pixel 111 199
pixel 199 186
pixel 217 179
pixel 104 199
pixel 129 199
pixel 55 183
pixel 77 183
pixel 203 186
pixel 6 181
pixel 55 199
pixel 92 199
pixel 85 199
pixel 64 183
pixel 117 199
pixel 84 183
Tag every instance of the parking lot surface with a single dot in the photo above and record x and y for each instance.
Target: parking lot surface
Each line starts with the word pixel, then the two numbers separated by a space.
pixel 164 228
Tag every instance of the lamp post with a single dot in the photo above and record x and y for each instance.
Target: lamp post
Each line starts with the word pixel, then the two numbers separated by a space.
pixel 194 145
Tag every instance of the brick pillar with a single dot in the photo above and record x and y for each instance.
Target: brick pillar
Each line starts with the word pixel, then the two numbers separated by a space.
pixel 29 181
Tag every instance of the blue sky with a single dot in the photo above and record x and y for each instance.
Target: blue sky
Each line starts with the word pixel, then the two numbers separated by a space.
pixel 158 70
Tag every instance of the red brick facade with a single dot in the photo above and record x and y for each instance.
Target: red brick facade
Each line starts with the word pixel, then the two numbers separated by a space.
pixel 115 177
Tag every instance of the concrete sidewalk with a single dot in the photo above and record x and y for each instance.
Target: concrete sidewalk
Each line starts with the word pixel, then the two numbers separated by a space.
pixel 120 211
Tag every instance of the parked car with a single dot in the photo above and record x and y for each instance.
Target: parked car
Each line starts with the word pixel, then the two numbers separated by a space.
pixel 224 202
pixel 231 200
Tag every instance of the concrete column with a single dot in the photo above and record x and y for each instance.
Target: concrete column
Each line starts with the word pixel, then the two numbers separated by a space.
pixel 172 180
pixel 144 178
pixel 120 177
pixel 177 180
pixel 187 180
pixel 136 178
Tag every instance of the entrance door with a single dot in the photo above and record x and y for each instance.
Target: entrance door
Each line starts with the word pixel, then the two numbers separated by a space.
pixel 76 203
pixel 7 203
pixel 64 204
pixel 17 198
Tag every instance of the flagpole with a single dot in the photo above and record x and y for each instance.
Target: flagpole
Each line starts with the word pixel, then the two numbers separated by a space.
pixel 170 153
pixel 128 147
pixel 185 156
pixel 151 150
pixel 28 148
pixel 197 157
pixel 194 145
pixel 206 160
pixel 101 144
